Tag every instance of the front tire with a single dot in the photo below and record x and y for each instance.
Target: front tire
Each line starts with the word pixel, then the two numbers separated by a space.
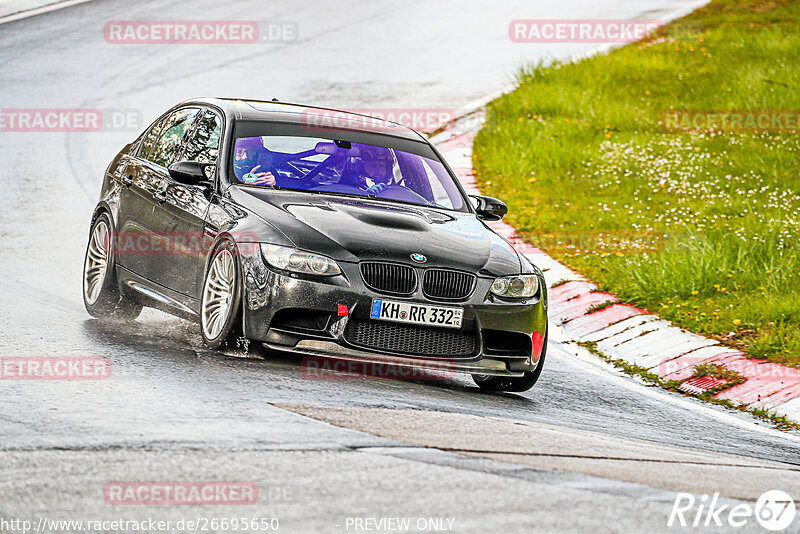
pixel 220 309
pixel 515 384
pixel 101 294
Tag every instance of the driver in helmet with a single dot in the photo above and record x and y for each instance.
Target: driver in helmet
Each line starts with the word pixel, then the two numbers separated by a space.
pixel 245 162
pixel 377 163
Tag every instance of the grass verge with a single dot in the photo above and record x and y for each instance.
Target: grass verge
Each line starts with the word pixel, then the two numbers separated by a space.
pixel 701 227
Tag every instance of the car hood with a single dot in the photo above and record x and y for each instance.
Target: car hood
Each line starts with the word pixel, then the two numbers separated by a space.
pixel 352 229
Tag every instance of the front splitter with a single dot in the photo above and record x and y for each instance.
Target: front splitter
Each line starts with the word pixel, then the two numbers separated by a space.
pixel 334 350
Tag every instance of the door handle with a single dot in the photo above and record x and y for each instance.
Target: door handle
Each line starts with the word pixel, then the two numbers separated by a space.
pixel 210 230
pixel 161 196
pixel 127 181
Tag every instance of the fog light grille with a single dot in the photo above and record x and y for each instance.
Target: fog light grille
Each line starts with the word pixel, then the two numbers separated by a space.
pixel 412 340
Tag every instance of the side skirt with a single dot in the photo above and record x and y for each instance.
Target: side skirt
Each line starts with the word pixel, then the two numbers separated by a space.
pixel 156 296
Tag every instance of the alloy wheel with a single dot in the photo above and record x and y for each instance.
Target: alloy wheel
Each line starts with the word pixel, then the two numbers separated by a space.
pixel 96 264
pixel 218 294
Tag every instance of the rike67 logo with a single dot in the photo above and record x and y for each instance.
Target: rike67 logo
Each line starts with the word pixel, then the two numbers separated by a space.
pixel 774 510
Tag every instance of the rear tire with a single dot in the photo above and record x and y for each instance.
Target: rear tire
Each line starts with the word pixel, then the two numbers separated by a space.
pixel 220 307
pixel 101 294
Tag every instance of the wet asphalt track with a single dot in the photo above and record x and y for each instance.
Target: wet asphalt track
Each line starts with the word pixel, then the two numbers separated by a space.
pixel 585 447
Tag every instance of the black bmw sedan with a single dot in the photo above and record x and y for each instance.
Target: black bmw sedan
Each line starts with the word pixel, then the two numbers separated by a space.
pixel 314 231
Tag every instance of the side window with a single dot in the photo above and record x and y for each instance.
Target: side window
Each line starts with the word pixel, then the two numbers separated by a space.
pixel 203 145
pixel 171 136
pixel 152 137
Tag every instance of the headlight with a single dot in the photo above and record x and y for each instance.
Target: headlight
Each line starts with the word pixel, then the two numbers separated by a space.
pixel 291 259
pixel 521 286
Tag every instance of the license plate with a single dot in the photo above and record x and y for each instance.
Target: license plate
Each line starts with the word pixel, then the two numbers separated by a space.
pixel 410 312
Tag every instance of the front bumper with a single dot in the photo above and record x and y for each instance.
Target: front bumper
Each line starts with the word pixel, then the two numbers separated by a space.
pixel 294 312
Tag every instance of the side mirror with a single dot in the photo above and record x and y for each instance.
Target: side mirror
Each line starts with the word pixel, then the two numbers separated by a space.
pixel 190 172
pixel 488 208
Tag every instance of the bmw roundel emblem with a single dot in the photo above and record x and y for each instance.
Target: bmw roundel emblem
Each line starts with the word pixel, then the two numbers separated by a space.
pixel 419 258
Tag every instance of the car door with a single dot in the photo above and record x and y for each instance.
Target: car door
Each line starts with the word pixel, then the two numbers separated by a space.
pixel 136 203
pixel 185 208
pixel 145 243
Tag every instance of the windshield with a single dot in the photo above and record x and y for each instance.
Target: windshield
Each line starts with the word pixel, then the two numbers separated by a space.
pixel 341 167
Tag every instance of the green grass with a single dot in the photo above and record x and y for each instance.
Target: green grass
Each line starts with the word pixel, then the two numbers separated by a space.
pixel 702 228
